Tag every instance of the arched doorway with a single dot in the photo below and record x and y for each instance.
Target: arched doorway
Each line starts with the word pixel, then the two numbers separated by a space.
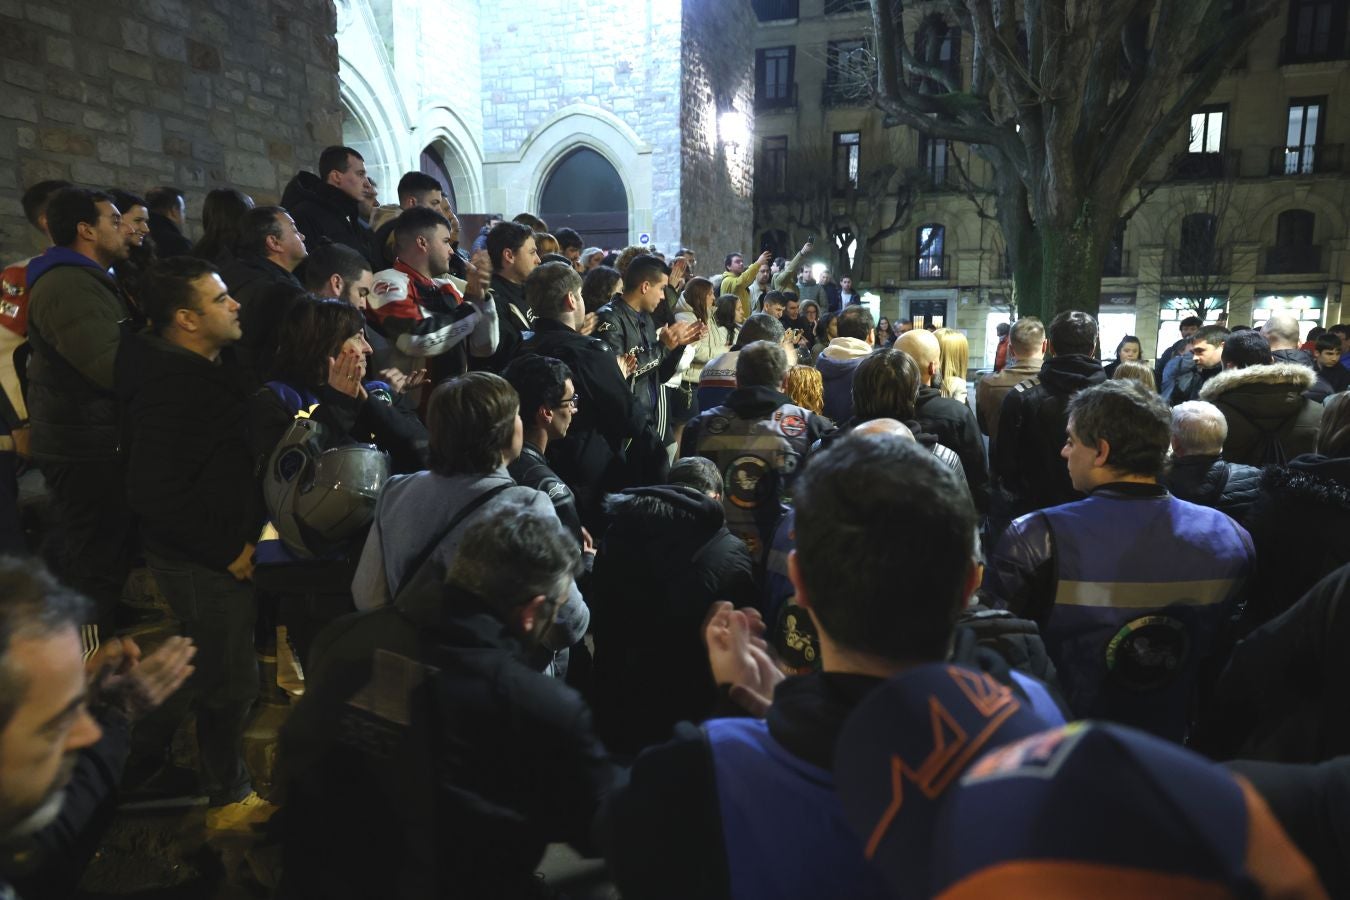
pixel 584 192
pixel 433 164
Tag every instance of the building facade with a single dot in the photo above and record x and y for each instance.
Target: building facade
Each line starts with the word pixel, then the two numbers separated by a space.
pixel 1245 212
pixel 627 121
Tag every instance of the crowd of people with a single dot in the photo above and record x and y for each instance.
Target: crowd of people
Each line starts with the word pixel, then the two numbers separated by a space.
pixel 716 577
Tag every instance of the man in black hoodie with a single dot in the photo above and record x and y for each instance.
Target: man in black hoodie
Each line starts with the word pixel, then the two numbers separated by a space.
pixel 1032 423
pixel 329 206
pixel 190 478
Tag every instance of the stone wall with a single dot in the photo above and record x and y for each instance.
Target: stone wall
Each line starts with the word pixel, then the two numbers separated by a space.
pixel 618 57
pixel 717 213
pixel 136 93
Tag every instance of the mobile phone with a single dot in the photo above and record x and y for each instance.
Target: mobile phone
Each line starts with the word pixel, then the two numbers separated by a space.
pixel 810 238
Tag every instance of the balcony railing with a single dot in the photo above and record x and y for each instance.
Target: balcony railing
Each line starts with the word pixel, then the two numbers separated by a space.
pixel 1293 260
pixel 845 93
pixel 1197 263
pixel 1309 159
pixel 834 7
pixel 785 97
pixel 930 268
pixel 1205 166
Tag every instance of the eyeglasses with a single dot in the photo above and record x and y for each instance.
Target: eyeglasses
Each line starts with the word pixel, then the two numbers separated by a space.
pixel 569 402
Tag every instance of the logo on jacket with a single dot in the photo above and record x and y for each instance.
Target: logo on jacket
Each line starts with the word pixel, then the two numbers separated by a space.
pixel 1147 653
pixel 746 481
pixel 792 425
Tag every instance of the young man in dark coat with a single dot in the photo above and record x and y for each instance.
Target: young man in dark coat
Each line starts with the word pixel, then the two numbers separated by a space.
pixel 610 443
pixel 191 482
pixel 329 206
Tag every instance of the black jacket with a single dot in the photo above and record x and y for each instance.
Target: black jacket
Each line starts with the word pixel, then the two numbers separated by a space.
pixel 1280 697
pixel 531 469
pixel 1330 381
pixel 1294 355
pixel 1213 481
pixel 323 211
pixel 956 427
pixel 1190 379
pixel 258 285
pixel 168 238
pixel 513 321
pixel 190 470
pixel 1031 431
pixel 625 329
pixel 449 778
pixel 651 668
pixel 1300 525
pixel 595 455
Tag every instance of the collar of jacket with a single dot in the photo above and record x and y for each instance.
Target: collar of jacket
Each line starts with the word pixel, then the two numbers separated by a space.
pixel 809 712
pixel 339 200
pixel 1298 377
pixel 756 400
pixel 465 622
pixel 58 257
pixel 1129 490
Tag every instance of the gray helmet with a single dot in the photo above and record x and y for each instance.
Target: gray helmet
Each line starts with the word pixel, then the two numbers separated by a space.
pixel 319 500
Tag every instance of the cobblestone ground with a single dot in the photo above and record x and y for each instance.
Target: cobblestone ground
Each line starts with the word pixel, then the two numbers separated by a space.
pixel 169 856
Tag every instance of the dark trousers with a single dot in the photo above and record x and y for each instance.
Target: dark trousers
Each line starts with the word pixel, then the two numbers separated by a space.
pixel 97 531
pixel 218 613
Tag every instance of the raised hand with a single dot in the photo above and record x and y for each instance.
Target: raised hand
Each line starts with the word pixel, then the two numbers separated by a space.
pixel 137 686
pixel 479 275
pixel 740 657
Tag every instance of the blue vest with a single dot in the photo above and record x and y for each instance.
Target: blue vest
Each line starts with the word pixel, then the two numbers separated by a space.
pixel 1143 586
pixel 782 826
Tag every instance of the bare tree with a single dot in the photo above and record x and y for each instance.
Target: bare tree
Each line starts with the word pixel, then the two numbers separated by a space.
pixel 822 201
pixel 1069 102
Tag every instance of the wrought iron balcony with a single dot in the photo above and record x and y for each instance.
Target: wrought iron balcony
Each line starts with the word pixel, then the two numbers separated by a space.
pixel 773 97
pixel 1205 166
pixel 775 10
pixel 850 93
pixel 1197 263
pixel 1309 159
pixel 1293 260
pixel 930 268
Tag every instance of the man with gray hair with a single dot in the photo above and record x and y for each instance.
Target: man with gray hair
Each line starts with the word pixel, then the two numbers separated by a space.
pixel 759 439
pixel 1281 331
pixel 1026 341
pixel 425 745
pixel 1199 473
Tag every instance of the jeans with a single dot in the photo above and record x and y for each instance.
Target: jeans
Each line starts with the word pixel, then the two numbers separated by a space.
pixel 218 613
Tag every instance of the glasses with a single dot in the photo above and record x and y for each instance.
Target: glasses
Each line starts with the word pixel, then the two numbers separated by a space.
pixel 569 402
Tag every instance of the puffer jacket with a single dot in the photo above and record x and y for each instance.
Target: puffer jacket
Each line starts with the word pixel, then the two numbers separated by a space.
pixel 1300 525
pixel 1269 420
pixel 76 322
pixel 837 363
pixel 1211 480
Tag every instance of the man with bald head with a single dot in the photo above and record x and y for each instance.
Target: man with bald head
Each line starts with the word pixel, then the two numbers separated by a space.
pixel 952 421
pixel 1281 331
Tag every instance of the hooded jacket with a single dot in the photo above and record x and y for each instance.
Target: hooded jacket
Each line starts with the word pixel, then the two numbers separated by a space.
pixel 651 667
pixel 190 470
pixel 1293 355
pixel 1269 420
pixel 837 363
pixel 323 211
pixel 1301 527
pixel 1031 428
pixel 76 321
pixel 427 760
pixel 1211 480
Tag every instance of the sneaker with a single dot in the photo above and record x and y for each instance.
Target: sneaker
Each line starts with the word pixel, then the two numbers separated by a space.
pixel 243 817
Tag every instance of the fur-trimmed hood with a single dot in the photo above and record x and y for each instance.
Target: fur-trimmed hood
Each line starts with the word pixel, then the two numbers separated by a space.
pixel 1298 378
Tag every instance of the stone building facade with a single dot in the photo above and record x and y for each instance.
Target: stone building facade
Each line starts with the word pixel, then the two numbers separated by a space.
pixel 138 93
pixel 1280 230
pixel 648 86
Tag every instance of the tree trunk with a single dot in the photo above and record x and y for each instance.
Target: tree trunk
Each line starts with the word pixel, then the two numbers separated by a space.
pixel 1071 261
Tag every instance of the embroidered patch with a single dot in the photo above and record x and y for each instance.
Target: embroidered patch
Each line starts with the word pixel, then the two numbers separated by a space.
pixel 1147 653
pixel 745 481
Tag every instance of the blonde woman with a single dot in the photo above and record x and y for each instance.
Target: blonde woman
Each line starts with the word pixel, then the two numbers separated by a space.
pixel 955 362
pixel 1136 371
pixel 806 388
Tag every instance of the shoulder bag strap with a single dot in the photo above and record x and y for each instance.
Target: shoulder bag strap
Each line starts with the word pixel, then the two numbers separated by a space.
pixel 420 560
